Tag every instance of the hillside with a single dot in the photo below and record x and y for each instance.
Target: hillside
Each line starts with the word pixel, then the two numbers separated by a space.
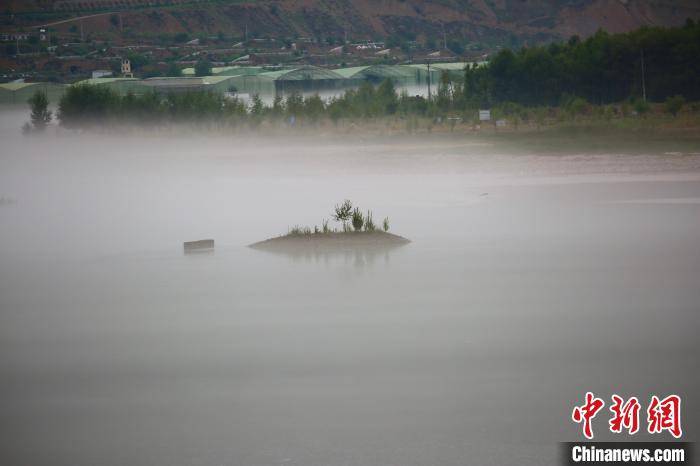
pixel 476 23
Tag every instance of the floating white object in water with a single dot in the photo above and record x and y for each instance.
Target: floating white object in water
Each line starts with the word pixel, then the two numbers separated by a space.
pixel 200 245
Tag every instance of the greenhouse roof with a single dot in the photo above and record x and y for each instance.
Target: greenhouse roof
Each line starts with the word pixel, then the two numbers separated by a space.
pixel 215 79
pixel 378 71
pixel 450 66
pixel 106 80
pixel 350 72
pixel 17 86
pixel 301 74
pixel 455 66
pixel 174 81
pixel 228 70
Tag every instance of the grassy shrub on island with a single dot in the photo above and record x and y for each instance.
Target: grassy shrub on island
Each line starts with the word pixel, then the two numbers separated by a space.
pixel 343 213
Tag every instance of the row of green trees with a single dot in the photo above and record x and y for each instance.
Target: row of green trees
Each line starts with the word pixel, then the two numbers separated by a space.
pixel 649 63
pixel 88 105
pixel 84 105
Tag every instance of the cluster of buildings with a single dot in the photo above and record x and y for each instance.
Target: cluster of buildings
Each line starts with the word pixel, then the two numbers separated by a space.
pixel 250 80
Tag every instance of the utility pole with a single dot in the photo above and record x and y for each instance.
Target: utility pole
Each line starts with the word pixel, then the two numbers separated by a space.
pixel 444 36
pixel 82 36
pixel 644 87
pixel 428 80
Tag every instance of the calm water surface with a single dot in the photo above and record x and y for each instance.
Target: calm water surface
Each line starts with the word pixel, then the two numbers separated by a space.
pixel 470 345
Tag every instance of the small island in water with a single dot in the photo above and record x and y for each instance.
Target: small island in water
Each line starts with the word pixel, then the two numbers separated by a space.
pixel 358 231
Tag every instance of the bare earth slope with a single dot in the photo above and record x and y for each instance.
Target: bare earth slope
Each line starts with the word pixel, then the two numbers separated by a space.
pixel 489 21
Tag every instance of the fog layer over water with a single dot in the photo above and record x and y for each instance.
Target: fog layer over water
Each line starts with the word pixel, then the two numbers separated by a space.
pixel 529 280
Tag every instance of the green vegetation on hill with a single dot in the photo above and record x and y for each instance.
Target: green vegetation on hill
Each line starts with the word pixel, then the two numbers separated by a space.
pixel 605 68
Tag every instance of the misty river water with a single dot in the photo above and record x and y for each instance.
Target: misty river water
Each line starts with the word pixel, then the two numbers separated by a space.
pixel 529 281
